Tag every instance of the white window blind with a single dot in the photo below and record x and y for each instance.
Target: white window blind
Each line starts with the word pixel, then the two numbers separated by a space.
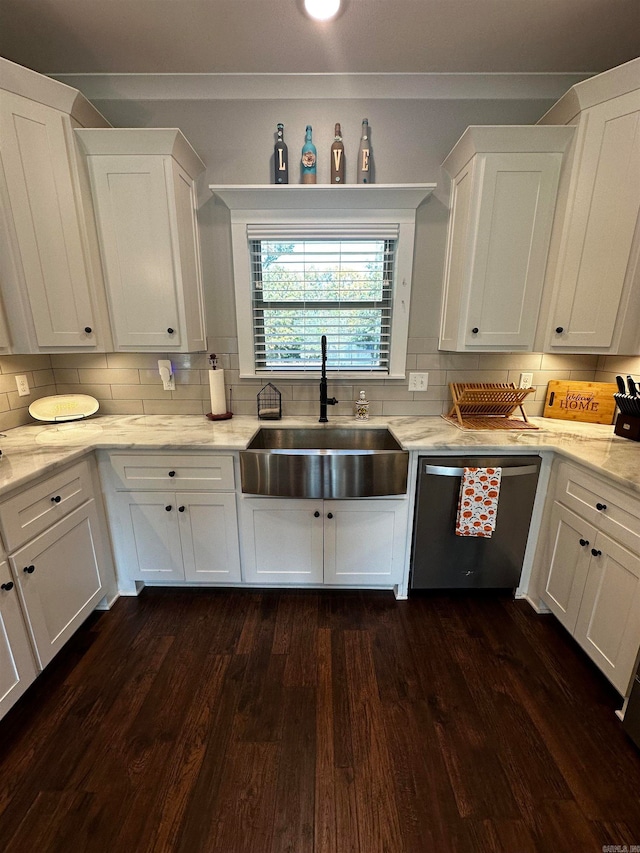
pixel 317 281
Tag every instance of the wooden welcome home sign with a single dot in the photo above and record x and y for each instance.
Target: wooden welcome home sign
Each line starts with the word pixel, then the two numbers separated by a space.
pixel 592 402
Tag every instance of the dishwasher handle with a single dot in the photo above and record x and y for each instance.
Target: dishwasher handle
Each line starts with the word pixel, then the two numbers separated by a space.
pixel 445 471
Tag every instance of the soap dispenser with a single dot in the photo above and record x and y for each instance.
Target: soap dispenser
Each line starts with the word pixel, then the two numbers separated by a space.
pixel 362 408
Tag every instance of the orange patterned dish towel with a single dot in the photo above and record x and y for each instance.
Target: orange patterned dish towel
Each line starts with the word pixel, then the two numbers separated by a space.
pixel 478 502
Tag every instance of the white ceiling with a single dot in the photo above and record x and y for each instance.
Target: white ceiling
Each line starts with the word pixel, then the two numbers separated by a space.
pixel 259 36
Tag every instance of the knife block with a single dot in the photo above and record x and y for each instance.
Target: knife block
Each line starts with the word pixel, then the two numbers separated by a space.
pixel 628 426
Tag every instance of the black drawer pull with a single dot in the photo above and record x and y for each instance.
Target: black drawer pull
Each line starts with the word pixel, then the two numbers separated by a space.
pixel 596 553
pixel 168 508
pixel 170 330
pixel 329 515
pixel 181 509
pixel 29 569
pixel 601 507
pixel 475 330
pixel 559 330
pixel 8 586
pixel 88 329
pixel 584 542
pixel 56 499
pixel 172 473
pixel 316 514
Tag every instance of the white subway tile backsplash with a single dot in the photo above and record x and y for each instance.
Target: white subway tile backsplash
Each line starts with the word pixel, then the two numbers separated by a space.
pixel 129 383
pixel 79 359
pixel 66 376
pixel 174 407
pixel 139 392
pixel 121 407
pixel 115 376
pixel 43 377
pixel 139 360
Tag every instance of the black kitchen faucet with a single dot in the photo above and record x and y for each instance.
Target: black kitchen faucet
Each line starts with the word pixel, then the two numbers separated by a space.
pixel 324 400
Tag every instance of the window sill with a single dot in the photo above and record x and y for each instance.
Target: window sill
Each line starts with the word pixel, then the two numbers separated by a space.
pixel 332 376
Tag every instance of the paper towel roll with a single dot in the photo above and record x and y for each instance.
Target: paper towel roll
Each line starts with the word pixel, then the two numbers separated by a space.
pixel 216 390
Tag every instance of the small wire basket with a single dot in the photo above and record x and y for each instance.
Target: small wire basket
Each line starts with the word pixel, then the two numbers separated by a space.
pixel 269 403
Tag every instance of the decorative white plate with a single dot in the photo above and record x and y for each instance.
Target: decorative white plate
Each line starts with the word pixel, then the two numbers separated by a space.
pixel 63 407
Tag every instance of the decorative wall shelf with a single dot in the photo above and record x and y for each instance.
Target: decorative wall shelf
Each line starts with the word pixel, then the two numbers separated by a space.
pixel 323 196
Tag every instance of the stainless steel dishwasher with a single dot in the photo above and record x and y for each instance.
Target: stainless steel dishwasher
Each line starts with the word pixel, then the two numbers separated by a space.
pixel 442 560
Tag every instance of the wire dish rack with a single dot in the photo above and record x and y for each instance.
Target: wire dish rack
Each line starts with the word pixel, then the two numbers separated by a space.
pixel 488 405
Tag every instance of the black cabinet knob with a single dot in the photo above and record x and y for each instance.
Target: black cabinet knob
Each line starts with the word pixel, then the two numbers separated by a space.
pixel 559 330
pixel 316 514
pixel 475 330
pixel 8 586
pixel 29 569
pixel 172 473
pixel 88 329
pixel 584 542
pixel 170 330
pixel 181 509
pixel 596 553
pixel 601 507
pixel 56 499
pixel 168 508
pixel 329 515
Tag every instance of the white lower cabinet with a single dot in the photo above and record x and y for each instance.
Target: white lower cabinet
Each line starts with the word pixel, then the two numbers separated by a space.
pixel 173 536
pixel 17 666
pixel 344 542
pixel 58 575
pixel 590 581
pixel 173 517
pixel 61 569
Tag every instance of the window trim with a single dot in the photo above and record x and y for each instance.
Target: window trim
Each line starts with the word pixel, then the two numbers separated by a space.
pixel 322 206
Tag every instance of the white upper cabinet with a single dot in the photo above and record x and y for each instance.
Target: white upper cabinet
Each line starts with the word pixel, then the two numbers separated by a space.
pixel 593 267
pixel 50 268
pixel 143 183
pixel 504 182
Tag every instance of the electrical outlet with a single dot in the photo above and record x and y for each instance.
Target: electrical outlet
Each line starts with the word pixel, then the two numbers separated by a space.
pixel 418 381
pixel 22 384
pixel 526 380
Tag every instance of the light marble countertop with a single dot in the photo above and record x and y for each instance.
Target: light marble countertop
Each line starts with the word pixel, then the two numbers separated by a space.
pixel 38 449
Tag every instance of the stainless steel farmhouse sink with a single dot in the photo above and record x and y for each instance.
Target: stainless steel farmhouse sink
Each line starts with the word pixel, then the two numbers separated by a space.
pixel 324 462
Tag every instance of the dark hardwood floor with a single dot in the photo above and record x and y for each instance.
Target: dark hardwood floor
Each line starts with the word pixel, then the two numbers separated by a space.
pixel 318 722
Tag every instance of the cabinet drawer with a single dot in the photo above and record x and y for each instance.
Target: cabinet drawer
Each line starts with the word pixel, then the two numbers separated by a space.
pixel 178 471
pixel 608 508
pixel 38 507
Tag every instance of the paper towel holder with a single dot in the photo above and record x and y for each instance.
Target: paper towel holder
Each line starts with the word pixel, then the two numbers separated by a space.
pixel 213 362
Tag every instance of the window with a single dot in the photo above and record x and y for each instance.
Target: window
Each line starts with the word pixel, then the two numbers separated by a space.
pixel 302 289
pixel 322 260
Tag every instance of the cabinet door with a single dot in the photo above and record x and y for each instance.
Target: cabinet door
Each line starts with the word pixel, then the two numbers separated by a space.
pixel 282 540
pixel 209 536
pixel 132 209
pixel 570 541
pixel 608 626
pixel 59 578
pixel 146 537
pixel 17 666
pixel 47 221
pixel 188 268
pixel 364 541
pixel 600 223
pixel 509 252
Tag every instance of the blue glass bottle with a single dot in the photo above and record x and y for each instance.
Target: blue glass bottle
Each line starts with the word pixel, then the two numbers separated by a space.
pixel 308 162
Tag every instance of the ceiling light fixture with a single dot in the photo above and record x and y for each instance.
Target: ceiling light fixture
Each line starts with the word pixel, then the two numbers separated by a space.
pixel 322 10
